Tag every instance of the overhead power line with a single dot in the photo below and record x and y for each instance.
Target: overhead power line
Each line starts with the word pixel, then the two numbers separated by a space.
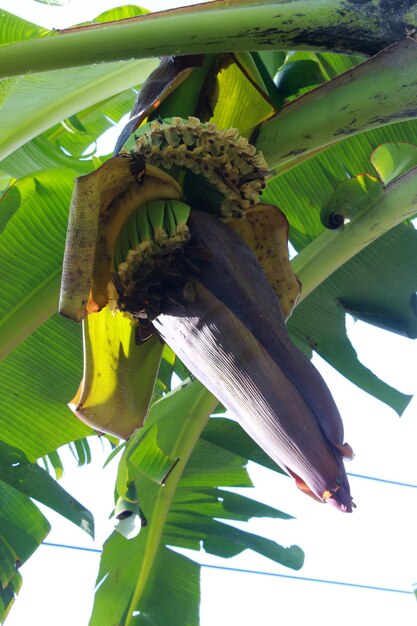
pixel 67 547
pixel 307 579
pixel 383 480
pixel 256 572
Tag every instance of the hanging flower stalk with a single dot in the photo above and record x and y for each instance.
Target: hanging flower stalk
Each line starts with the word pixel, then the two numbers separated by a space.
pixel 215 285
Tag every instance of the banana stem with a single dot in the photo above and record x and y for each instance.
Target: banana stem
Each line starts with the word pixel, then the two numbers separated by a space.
pixel 183 101
pixel 349 27
pixel 332 249
pixel 371 95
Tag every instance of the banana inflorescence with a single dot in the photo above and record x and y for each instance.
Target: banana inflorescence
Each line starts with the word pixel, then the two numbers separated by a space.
pixel 216 288
pixel 232 336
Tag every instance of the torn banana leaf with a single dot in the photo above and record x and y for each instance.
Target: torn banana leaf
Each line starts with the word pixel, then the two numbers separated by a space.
pixel 232 336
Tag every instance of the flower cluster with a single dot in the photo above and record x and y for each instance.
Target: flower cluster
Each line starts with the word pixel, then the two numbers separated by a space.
pixel 228 161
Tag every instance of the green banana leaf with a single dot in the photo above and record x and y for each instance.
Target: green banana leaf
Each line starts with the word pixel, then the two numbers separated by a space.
pixel 22 526
pixel 33 223
pixel 302 193
pixel 37 380
pixel 52 463
pixel 350 290
pixel 16 29
pixel 36 483
pixel 81 451
pixel 29 103
pixel 183 513
pixel 8 595
pixel 29 106
pixel 391 160
pixel 67 143
pixel 240 104
pixel 38 154
pixel 119 13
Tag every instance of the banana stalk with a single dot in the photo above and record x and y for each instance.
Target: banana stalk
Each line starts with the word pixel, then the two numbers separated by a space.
pixel 232 336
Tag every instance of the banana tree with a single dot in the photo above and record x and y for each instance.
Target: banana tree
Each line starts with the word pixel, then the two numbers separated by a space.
pixel 176 262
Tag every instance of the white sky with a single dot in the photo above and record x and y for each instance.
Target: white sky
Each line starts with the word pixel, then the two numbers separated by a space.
pixel 374 546
pixel 76 11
